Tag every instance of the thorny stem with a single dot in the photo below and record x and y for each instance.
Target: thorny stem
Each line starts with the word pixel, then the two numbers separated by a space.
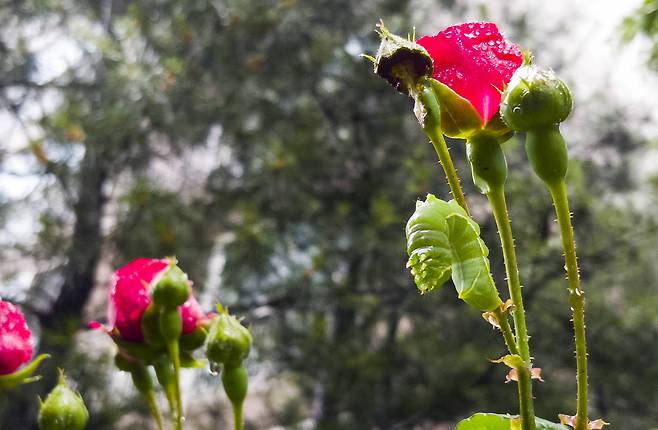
pixel 175 359
pixel 237 417
pixel 449 168
pixel 506 330
pixel 153 407
pixel 432 127
pixel 496 197
pixel 558 192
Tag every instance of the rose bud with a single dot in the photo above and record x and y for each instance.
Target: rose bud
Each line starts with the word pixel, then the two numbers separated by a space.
pixel 16 348
pixel 63 409
pixel 15 339
pixel 537 101
pixel 171 288
pixel 472 64
pixel 130 299
pixel 535 98
pixel 228 342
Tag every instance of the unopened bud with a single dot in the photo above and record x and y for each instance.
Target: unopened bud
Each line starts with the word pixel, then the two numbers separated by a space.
pixel 535 98
pixel 228 341
pixel 63 409
pixel 171 289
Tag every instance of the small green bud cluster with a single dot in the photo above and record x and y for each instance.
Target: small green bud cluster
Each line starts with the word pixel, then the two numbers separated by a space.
pixel 537 101
pixel 171 289
pixel 162 320
pixel 63 409
pixel 228 342
pixel 535 98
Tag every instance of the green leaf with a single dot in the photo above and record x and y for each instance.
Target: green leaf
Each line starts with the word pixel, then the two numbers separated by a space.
pixel 484 421
pixel 443 242
pixel 512 360
pixel 481 421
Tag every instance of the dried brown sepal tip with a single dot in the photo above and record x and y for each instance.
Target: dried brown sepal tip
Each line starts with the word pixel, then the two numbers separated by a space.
pixel 571 420
pixel 513 375
pixel 402 62
pixel 491 316
pixel 492 319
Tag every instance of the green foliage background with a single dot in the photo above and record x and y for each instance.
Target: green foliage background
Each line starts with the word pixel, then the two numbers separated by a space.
pixel 248 138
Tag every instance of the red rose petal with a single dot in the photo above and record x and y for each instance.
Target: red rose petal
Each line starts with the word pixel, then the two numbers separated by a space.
pixel 129 296
pixel 192 315
pixel 475 61
pixel 15 339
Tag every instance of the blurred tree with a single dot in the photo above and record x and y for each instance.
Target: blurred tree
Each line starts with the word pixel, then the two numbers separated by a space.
pixel 253 131
pixel 644 22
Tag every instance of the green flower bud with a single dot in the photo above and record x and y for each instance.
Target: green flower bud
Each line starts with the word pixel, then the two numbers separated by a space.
pixel 548 155
pixel 402 62
pixel 228 341
pixel 171 289
pixel 235 380
pixel 488 164
pixel 63 409
pixel 535 98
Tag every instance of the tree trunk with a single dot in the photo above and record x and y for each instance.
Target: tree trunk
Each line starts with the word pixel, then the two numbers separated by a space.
pixel 60 324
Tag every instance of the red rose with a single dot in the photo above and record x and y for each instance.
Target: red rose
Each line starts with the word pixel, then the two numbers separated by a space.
pixel 475 61
pixel 129 298
pixel 15 339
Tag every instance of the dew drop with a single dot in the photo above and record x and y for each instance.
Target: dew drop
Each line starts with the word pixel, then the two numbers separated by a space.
pixel 517 110
pixel 214 368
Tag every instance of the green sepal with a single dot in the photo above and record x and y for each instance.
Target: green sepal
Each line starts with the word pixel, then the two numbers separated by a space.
pixel 24 375
pixel 459 119
pixel 140 350
pixel 443 242
pixel 194 340
pixel 189 362
pixel 486 421
pixel 151 326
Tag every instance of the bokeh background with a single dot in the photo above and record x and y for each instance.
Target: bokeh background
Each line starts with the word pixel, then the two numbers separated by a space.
pixel 251 140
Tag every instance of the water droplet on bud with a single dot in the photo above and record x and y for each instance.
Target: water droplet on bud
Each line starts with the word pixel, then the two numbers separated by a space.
pixel 215 368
